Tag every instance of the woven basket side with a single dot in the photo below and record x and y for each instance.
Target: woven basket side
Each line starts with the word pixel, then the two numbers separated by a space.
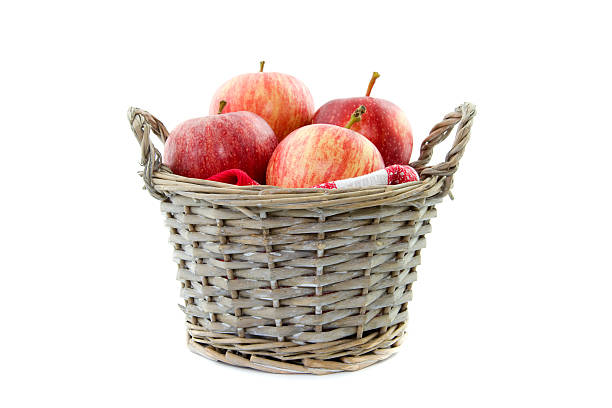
pixel 297 290
pixel 311 280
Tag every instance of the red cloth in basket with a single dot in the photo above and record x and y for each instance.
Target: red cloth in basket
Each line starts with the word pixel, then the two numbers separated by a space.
pixel 395 174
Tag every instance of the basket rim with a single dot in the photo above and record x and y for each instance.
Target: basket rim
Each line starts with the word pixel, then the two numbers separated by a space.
pixel 166 174
pixel 296 198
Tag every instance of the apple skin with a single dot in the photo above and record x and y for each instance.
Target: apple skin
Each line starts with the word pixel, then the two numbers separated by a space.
pixel 385 125
pixel 203 147
pixel 316 154
pixel 281 99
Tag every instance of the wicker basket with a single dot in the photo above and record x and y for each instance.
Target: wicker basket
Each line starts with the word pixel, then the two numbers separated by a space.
pixel 298 280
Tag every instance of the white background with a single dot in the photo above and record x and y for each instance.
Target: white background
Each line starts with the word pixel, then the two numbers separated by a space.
pixel 512 306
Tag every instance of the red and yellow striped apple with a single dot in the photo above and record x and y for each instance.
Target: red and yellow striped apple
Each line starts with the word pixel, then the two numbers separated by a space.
pixel 203 147
pixel 385 125
pixel 282 100
pixel 315 154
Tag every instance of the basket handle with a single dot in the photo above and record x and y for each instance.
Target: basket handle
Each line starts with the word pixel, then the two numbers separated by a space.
pixel 142 123
pixel 464 115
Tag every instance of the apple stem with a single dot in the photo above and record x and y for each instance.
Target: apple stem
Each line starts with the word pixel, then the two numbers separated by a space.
pixel 375 76
pixel 221 106
pixel 356 116
pixel 261 64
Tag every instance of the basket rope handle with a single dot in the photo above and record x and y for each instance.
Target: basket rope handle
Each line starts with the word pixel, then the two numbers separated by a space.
pixel 464 115
pixel 142 122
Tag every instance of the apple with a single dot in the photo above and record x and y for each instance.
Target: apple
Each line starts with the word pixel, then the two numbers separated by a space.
pixel 282 100
pixel 203 147
pixel 315 154
pixel 385 124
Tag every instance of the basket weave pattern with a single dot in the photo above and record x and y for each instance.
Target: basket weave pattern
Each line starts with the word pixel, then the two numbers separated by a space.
pixel 298 280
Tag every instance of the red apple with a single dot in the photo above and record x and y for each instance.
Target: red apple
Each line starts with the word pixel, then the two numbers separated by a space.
pixel 203 147
pixel 316 154
pixel 385 125
pixel 282 100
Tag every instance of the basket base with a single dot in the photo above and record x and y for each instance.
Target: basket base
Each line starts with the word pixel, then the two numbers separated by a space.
pixel 291 358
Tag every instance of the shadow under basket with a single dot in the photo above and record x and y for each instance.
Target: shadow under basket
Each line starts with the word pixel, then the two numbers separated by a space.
pixel 299 280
